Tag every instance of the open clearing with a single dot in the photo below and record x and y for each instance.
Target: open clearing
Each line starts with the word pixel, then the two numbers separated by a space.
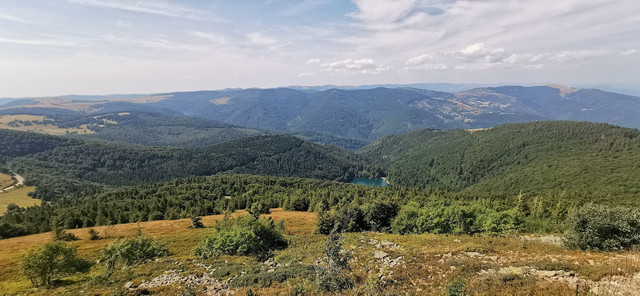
pixel 404 264
pixel 19 196
pixel 86 106
pixel 34 126
pixel 5 181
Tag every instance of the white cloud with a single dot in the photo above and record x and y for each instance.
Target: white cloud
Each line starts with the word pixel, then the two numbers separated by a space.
pixel 149 7
pixel 213 37
pixel 473 49
pixel 312 61
pixel 37 42
pixel 190 77
pixel 424 62
pixel 629 52
pixel 12 18
pixel 383 10
pixel 306 74
pixel 572 56
pixel 261 39
pixel 419 60
pixel 350 67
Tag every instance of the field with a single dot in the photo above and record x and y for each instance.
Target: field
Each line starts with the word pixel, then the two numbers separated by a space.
pixel 5 181
pixel 19 196
pixel 382 264
pixel 50 129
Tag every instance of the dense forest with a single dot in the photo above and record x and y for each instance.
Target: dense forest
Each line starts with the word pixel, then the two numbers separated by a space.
pixel 63 167
pixel 355 207
pixel 558 158
pixel 513 177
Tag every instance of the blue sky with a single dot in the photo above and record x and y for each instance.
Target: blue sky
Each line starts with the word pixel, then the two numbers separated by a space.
pixel 54 47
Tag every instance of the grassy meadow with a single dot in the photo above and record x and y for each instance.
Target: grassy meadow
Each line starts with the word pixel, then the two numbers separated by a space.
pixel 429 264
pixel 48 128
pixel 19 196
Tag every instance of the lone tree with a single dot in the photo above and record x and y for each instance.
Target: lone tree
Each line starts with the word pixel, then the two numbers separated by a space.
pixel 53 260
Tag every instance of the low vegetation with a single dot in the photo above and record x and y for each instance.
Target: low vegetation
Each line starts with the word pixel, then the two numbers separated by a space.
pixel 480 265
pixel 52 261
pixel 603 228
pixel 21 197
pixel 245 235
pixel 129 251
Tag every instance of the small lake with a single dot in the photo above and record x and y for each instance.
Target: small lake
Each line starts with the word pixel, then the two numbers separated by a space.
pixel 369 182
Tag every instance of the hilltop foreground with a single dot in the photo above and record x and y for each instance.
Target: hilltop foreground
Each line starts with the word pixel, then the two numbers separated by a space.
pixel 381 264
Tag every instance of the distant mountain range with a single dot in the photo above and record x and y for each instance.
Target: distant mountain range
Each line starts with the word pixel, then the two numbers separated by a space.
pixel 366 113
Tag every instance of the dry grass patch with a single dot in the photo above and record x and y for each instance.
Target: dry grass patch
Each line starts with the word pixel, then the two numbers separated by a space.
pixel 5 181
pixel 39 128
pixel 19 196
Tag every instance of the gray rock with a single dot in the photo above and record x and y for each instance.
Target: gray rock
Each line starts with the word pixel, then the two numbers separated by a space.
pixel 129 285
pixel 380 255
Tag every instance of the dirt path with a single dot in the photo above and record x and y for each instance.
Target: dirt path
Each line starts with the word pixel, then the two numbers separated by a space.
pixel 19 182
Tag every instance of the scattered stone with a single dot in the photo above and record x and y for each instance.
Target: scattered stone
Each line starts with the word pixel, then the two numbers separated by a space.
pixel 129 285
pixel 270 262
pixel 547 239
pixel 380 255
pixel 388 245
pixel 172 277
pixel 457 240
pixel 473 254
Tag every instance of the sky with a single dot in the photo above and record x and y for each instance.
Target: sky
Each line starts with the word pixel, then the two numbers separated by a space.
pixel 58 47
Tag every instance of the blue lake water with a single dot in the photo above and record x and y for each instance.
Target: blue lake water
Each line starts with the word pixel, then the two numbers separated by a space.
pixel 369 182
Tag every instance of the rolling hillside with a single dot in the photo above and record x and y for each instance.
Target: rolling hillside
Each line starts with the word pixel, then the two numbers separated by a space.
pixel 593 161
pixel 63 166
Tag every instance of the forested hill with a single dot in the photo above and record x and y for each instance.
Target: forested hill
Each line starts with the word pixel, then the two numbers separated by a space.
pixel 64 167
pixel 556 157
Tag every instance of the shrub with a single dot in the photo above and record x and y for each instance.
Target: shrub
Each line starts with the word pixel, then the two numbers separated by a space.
pixel 129 251
pixel 349 218
pixel 498 222
pixel 603 228
pixel 296 203
pixel 333 275
pixel 456 287
pixel 414 218
pixel 54 259
pixel 258 208
pixel 93 234
pixel 379 215
pixel 440 218
pixel 196 222
pixel 59 234
pixel 245 235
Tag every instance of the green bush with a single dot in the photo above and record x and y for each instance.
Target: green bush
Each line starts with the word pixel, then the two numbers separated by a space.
pixel 456 287
pixel 55 259
pixel 196 222
pixel 494 222
pixel 354 218
pixel 333 275
pixel 60 234
pixel 93 234
pixel 244 235
pixel 414 218
pixel 258 208
pixel 455 219
pixel 130 251
pixel 603 228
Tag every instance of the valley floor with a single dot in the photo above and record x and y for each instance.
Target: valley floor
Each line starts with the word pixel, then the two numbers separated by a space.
pixel 427 264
